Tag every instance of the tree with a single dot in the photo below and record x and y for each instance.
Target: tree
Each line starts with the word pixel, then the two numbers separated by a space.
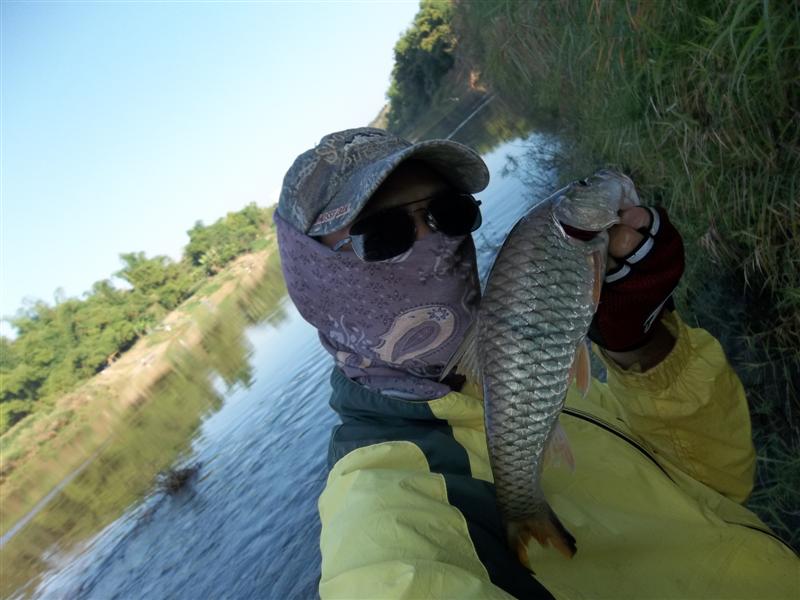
pixel 159 280
pixel 212 247
pixel 423 55
pixel 59 346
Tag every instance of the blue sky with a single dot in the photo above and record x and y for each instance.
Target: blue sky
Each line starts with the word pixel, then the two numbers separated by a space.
pixel 123 123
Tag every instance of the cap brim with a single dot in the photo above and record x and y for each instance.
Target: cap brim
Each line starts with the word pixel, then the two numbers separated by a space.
pixel 463 168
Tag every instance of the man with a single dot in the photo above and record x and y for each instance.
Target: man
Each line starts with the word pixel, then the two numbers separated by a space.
pixel 374 236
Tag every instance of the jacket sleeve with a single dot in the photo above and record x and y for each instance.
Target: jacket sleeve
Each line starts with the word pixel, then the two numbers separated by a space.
pixel 388 531
pixel 691 410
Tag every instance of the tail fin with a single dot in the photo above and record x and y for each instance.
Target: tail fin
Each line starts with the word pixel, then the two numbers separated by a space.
pixel 548 531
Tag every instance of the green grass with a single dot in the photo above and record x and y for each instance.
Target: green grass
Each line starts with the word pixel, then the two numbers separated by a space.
pixel 698 102
pixel 261 244
pixel 212 286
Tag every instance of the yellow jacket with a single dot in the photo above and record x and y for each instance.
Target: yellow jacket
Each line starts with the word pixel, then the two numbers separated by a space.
pixel 663 460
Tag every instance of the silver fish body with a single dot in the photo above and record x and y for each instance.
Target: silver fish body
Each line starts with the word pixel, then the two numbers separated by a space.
pixel 535 313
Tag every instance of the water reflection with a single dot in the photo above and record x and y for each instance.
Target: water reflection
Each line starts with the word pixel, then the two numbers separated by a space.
pixel 247 526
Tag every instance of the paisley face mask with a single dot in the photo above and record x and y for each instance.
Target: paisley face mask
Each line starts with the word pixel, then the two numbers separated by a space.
pixel 393 325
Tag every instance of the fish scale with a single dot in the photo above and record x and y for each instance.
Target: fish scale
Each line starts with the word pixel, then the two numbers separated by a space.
pixel 528 343
pixel 535 313
pixel 527 383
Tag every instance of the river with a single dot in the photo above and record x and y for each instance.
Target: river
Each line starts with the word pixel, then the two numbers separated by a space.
pixel 251 413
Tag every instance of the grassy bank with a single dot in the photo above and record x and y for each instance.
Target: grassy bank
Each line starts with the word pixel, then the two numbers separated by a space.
pixel 698 101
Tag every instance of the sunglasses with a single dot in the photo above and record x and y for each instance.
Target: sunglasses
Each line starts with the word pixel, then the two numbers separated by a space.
pixel 392 232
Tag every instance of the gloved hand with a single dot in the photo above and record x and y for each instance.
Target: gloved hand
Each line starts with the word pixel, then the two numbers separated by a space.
pixel 646 262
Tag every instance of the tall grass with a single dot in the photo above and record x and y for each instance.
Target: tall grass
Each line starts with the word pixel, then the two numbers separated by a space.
pixel 699 101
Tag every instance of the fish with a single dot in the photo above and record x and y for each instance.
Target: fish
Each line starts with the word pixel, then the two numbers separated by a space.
pixel 528 344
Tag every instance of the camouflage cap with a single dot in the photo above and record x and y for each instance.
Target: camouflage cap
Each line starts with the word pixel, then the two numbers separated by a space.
pixel 327 186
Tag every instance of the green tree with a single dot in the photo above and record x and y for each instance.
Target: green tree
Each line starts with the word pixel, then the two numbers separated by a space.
pixel 212 247
pixel 158 280
pixel 423 55
pixel 60 346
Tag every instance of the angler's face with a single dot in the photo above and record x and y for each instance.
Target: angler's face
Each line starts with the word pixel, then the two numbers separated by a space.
pixel 411 184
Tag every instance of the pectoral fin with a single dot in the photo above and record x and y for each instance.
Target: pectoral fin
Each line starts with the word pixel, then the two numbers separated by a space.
pixel 581 369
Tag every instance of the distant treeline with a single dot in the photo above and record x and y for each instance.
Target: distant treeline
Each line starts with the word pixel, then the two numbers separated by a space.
pixel 60 346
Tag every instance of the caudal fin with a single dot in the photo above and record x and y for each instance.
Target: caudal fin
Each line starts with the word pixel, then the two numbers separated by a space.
pixel 547 529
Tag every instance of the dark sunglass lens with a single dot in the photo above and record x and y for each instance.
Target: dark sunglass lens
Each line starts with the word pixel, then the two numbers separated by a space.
pixel 383 236
pixel 455 214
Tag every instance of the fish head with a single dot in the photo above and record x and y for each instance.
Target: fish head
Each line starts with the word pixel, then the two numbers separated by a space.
pixel 593 204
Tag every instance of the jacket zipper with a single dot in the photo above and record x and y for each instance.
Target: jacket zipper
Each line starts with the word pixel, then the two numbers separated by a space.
pixel 584 416
pixel 589 418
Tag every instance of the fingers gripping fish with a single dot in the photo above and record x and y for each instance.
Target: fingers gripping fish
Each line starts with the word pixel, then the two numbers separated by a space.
pixel 528 344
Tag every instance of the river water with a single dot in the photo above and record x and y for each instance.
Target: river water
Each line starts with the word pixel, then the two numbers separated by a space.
pixel 251 413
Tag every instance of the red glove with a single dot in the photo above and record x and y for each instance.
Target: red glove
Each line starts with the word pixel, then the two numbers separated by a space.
pixel 639 288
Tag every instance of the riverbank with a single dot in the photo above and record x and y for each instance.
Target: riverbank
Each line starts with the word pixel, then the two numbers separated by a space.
pixel 46 448
pixel 698 103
